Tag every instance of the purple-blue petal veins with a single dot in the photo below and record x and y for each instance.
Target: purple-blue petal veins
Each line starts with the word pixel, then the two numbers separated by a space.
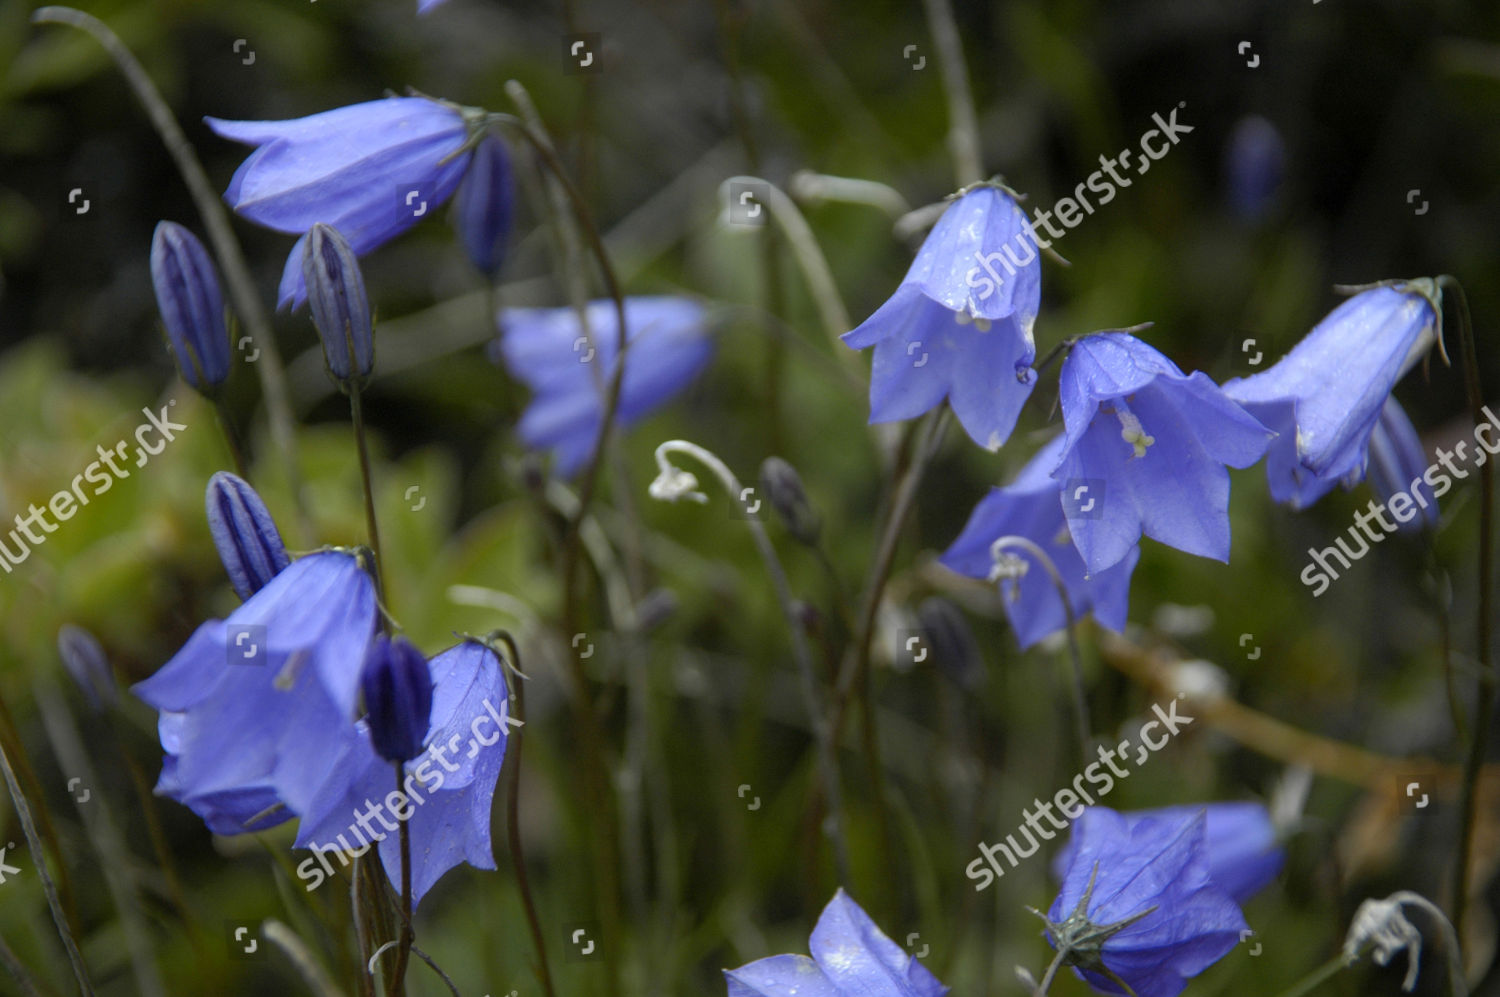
pixel 669 344
pixel 484 205
pixel 1155 864
pixel 371 170
pixel 851 957
pixel 1028 507
pixel 338 302
pixel 397 686
pixel 191 305
pixel 960 324
pixel 255 708
pixel 1239 844
pixel 1155 443
pixel 448 789
pixel 246 537
pixel 1325 397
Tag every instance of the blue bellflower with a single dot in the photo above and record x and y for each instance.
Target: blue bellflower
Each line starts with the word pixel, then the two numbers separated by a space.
pixel 447 790
pixel 1239 844
pixel 246 537
pixel 851 957
pixel 397 685
pixel 1138 905
pixel 1028 507
pixel 1325 397
pixel 371 170
pixel 1397 465
pixel 340 307
pixel 669 343
pixel 254 708
pixel 960 325
pixel 484 205
pixel 1146 451
pixel 84 659
pixel 191 305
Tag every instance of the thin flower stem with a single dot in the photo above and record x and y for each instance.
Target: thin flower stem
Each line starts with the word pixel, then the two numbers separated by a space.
pixel 17 970
pixel 403 953
pixel 1051 974
pixel 10 740
pixel 822 730
pixel 220 234
pixel 357 415
pixel 1080 701
pixel 963 126
pixel 814 187
pixel 362 926
pixel 1488 684
pixel 232 439
pixel 313 974
pixel 1308 983
pixel 513 818
pixel 28 824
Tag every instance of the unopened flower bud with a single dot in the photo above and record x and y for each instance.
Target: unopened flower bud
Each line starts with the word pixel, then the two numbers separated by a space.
pixel 484 205
pixel 340 306
pixel 953 643
pixel 85 661
pixel 244 533
pixel 783 486
pixel 397 685
pixel 191 305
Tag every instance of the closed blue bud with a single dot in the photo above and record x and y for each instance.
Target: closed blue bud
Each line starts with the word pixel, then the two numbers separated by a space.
pixel 1239 844
pixel 1029 507
pixel 1254 164
pixel 340 306
pixel 85 661
pixel 398 698
pixel 1150 444
pixel 1325 397
pixel 371 170
pixel 484 205
pixel 1138 907
pixel 244 533
pixel 851 957
pixel 960 324
pixel 192 306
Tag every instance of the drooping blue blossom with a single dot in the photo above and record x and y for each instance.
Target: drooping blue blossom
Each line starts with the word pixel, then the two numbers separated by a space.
pixel 447 789
pixel 246 537
pixel 1138 904
pixel 1239 844
pixel 1397 465
pixel 372 170
pixel 191 305
pixel 960 325
pixel 1029 507
pixel 397 684
pixel 84 659
pixel 851 957
pixel 340 307
pixel 1150 446
pixel 1254 164
pixel 668 344
pixel 255 708
pixel 1325 397
pixel 484 205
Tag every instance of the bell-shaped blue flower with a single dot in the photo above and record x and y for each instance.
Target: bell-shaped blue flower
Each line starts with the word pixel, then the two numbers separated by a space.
pixel 191 305
pixel 340 307
pixel 960 325
pixel 1138 904
pixel 668 341
pixel 1325 397
pixel 1146 451
pixel 851 957
pixel 371 170
pixel 398 698
pixel 244 533
pixel 1028 507
pixel 1397 466
pixel 1239 844
pixel 255 708
pixel 484 205
pixel 84 659
pixel 447 791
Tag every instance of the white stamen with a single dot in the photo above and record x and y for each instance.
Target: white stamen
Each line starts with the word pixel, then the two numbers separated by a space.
pixel 1132 432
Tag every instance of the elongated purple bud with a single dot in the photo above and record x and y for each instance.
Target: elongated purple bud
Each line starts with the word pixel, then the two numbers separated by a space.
pixel 191 305
pixel 84 659
pixel 397 684
pixel 340 306
pixel 484 206
pixel 243 531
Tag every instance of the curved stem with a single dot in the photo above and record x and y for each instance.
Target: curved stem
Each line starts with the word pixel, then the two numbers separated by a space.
pixel 809 185
pixel 220 234
pixel 1317 976
pixel 1488 684
pixel 1051 974
pixel 673 484
pixel 963 126
pixel 1080 702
